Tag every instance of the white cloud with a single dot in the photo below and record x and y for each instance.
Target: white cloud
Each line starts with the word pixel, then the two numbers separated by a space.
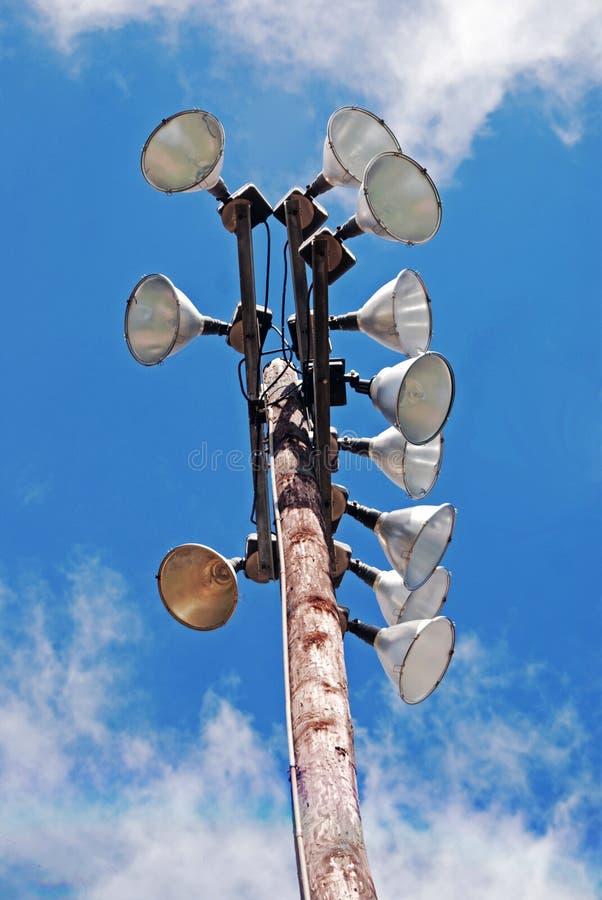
pixel 436 69
pixel 451 802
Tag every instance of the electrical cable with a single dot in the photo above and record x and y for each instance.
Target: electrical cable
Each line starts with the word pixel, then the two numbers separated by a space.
pixel 267 265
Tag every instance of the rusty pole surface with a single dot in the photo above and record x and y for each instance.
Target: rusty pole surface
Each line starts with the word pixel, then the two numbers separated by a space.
pixel 335 854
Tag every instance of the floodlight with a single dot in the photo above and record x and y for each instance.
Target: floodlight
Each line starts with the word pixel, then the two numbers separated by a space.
pixel 398 315
pixel 415 395
pixel 413 540
pixel 397 603
pixel 397 200
pixel 160 320
pixel 353 137
pixel 413 467
pixel 186 153
pixel 198 586
pixel 415 655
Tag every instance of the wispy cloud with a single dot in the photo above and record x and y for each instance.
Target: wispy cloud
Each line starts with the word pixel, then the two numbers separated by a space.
pixel 96 807
pixel 436 69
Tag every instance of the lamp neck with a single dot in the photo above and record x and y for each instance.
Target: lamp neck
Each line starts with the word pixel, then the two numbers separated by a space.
pixel 360 385
pixel 318 186
pixel 215 326
pixel 347 322
pixel 368 574
pixel 364 514
pixel 366 632
pixel 359 446
pixel 219 191
pixel 349 230
pixel 238 563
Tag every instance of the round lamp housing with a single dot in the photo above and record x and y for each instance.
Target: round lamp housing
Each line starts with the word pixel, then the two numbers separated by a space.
pixel 184 153
pixel 353 137
pixel 398 200
pixel 415 539
pixel 198 586
pixel 398 604
pixel 415 396
pixel 160 320
pixel 416 655
pixel 398 315
pixel 413 467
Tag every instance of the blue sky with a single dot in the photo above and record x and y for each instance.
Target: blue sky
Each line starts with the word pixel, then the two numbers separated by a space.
pixel 138 758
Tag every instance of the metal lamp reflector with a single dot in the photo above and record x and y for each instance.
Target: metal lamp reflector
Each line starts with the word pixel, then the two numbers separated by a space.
pixel 414 540
pixel 398 200
pixel 354 136
pixel 415 395
pixel 413 467
pixel 416 655
pixel 184 153
pixel 398 604
pixel 198 586
pixel 160 320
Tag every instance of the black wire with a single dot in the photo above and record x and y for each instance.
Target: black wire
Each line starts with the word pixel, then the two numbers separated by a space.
pixel 242 387
pixel 267 265
pixel 283 299
pixel 262 353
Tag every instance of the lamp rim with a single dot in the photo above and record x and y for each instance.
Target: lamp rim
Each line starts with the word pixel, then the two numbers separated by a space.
pixel 221 558
pixel 446 667
pixel 132 298
pixel 332 145
pixel 162 123
pixel 423 171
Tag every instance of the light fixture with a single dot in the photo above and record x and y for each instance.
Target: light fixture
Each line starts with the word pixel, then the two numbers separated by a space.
pixel 398 315
pixel 160 320
pixel 413 467
pixel 397 200
pixel 353 137
pixel 198 586
pixel 186 153
pixel 397 603
pixel 413 540
pixel 415 396
pixel 415 655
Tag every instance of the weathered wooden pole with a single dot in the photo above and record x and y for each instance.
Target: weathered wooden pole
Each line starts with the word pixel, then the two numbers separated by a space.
pixel 332 840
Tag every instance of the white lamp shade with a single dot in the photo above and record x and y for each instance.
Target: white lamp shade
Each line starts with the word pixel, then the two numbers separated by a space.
pixel 159 320
pixel 398 200
pixel 415 396
pixel 353 137
pixel 413 467
pixel 184 153
pixel 398 315
pixel 198 586
pixel 415 539
pixel 398 604
pixel 416 655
